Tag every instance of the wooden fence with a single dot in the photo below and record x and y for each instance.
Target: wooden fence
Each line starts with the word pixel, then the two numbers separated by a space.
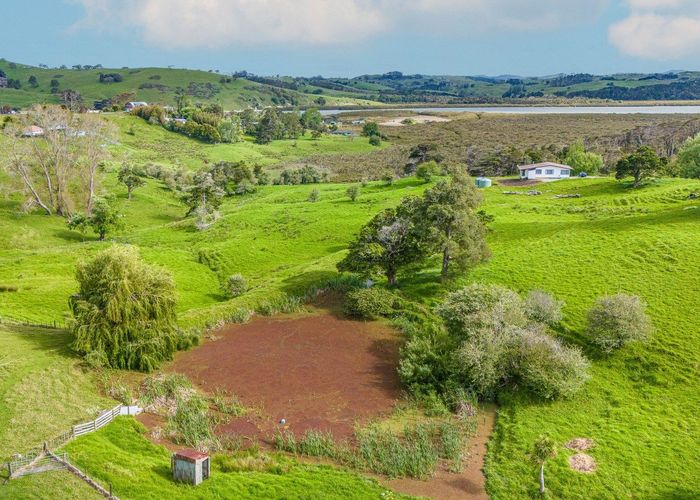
pixel 105 417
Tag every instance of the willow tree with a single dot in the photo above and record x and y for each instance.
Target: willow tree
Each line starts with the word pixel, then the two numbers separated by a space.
pixel 124 312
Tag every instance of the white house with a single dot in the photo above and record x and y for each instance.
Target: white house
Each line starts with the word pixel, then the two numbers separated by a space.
pixel 546 171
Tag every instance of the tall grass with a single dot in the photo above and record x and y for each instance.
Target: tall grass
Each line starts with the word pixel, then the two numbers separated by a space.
pixel 414 452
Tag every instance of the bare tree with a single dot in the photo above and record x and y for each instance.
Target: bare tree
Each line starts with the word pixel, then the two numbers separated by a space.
pixel 56 154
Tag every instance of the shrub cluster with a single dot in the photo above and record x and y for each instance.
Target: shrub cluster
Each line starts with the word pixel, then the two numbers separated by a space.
pixel 369 303
pixel 236 285
pixel 492 339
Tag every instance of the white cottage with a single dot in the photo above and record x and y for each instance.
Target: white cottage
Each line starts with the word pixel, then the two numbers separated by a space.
pixel 547 171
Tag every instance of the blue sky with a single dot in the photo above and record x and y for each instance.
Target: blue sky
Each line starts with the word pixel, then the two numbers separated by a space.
pixel 351 37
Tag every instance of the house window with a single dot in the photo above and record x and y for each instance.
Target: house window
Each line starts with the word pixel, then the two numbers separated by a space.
pixel 549 171
pixel 565 173
pixel 538 171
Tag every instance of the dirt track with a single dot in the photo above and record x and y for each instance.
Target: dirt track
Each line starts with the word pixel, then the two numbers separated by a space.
pixel 320 372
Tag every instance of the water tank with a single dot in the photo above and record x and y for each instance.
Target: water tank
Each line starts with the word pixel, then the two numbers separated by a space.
pixel 483 182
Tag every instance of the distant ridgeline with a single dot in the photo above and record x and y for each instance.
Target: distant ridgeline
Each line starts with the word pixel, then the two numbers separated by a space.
pixel 22 85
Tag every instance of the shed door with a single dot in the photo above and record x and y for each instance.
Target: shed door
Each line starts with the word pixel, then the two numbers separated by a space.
pixel 205 469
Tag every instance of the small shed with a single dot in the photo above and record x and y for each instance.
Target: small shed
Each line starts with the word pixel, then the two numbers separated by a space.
pixel 190 466
pixel 483 182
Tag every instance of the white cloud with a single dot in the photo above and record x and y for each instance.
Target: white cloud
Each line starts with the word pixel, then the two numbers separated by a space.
pixel 658 29
pixel 225 23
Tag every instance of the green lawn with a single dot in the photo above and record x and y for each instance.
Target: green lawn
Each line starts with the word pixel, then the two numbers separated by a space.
pixel 639 406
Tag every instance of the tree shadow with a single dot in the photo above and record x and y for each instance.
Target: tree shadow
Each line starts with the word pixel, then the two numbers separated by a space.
pixel 300 283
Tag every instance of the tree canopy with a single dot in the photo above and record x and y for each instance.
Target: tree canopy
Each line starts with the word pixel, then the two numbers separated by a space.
pixel 689 158
pixel 640 165
pixel 124 311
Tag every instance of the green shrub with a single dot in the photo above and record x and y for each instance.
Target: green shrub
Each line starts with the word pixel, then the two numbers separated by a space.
pixel 424 364
pixel 484 362
pixel 617 320
pixel 369 303
pixel 543 307
pixel 353 192
pixel 548 368
pixel 478 306
pixel 427 170
pixel 236 285
pixel 313 196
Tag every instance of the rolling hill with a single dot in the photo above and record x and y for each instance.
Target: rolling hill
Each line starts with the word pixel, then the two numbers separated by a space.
pixel 242 90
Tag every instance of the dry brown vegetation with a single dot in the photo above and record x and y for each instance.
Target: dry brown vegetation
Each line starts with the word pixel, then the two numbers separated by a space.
pixel 492 144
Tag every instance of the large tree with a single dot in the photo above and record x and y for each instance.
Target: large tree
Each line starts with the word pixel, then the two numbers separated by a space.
pixel 59 167
pixel 389 242
pixel 581 160
pixel 124 311
pixel 640 165
pixel 448 214
pixel 128 176
pixel 269 127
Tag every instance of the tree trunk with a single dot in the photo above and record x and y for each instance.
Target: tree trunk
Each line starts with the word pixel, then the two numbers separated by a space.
pixel 542 478
pixel 391 277
pixel 445 262
pixel 128 194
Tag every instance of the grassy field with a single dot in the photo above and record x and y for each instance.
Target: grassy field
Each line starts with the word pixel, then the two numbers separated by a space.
pixel 119 455
pixel 141 143
pixel 639 407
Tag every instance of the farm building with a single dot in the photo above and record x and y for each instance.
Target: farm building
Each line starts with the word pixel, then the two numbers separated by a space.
pixel 546 171
pixel 190 466
pixel 134 104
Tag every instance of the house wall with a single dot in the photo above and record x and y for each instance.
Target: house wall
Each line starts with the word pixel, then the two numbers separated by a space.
pixel 557 173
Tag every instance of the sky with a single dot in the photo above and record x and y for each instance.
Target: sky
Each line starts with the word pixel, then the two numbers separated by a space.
pixel 353 37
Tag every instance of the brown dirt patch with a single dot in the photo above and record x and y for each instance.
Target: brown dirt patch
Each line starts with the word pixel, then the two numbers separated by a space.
pixel 583 463
pixel 321 372
pixel 444 485
pixel 580 444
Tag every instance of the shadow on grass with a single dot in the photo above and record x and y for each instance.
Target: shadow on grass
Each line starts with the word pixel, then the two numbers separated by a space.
pixel 47 339
pixel 300 284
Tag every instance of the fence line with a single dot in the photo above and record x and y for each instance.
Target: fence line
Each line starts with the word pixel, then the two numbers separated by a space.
pixel 54 325
pixel 102 419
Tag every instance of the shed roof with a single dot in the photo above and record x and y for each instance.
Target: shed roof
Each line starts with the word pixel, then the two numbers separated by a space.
pixel 191 455
pixel 543 165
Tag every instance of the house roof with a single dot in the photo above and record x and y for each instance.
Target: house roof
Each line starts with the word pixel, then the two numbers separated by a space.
pixel 191 455
pixel 544 165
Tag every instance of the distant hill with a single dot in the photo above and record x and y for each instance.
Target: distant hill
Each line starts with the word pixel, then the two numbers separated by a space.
pixel 157 85
pixel 241 90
